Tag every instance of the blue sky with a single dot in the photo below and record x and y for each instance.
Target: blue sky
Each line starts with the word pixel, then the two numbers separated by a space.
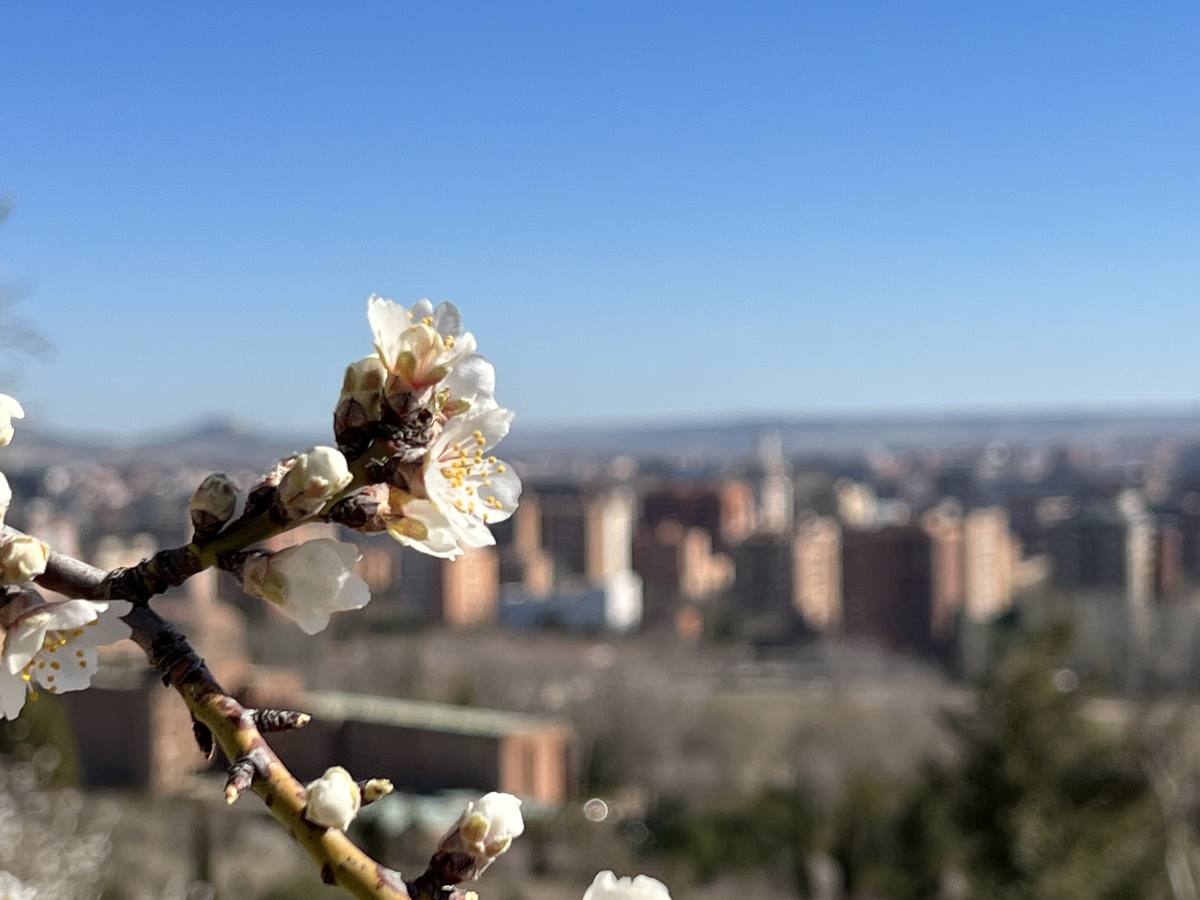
pixel 644 210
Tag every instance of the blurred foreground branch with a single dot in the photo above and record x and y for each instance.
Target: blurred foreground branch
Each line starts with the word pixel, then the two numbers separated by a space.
pixel 220 717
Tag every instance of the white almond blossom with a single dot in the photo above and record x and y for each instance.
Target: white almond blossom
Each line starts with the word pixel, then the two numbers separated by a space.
pixel 486 829
pixel 9 409
pixel 314 479
pixel 333 800
pixel 22 559
pixel 466 484
pixel 608 886
pixel 419 346
pixel 308 582
pixel 55 645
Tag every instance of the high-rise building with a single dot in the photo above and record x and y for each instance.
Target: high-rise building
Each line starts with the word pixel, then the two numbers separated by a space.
pixel 902 584
pixel 776 490
pixel 588 533
pixel 463 592
pixel 725 509
pixel 818 576
pixel 677 565
pixel 766 574
pixel 991 555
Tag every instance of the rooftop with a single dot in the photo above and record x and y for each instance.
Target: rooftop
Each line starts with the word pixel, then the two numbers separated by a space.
pixel 443 717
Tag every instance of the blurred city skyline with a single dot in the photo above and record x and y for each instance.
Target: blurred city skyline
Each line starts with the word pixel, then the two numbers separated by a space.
pixel 644 214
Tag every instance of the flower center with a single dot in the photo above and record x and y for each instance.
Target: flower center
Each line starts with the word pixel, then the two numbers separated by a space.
pixel 466 470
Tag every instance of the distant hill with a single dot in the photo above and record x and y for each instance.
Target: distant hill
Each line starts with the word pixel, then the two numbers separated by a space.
pixel 232 443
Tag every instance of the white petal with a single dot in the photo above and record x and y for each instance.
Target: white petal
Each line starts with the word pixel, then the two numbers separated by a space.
pixel 494 423
pixel 69 614
pixel 10 407
pixel 74 672
pixel 23 641
pixel 506 488
pixel 472 378
pixel 352 593
pixel 439 541
pixel 109 628
pixel 388 320
pixel 12 695
pixel 421 309
pixel 5 497
pixel 447 319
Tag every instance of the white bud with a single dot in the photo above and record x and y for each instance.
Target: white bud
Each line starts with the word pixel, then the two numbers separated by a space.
pixel 214 502
pixel 333 799
pixel 486 830
pixel 22 559
pixel 9 409
pixel 364 384
pixel 608 886
pixel 314 479
pixel 308 582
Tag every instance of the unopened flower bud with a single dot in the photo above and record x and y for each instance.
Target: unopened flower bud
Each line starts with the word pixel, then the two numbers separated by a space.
pixel 314 479
pixel 484 831
pixel 9 409
pixel 356 416
pixel 363 384
pixel 608 886
pixel 333 800
pixel 213 503
pixel 22 559
pixel 375 789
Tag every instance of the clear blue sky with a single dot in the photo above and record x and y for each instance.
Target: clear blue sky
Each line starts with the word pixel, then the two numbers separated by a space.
pixel 644 209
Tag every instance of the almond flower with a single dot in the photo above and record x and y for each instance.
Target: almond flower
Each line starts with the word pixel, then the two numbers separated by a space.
pixel 608 886
pixel 333 800
pixel 308 582
pixel 464 482
pixel 418 346
pixel 9 409
pixel 314 479
pixel 54 644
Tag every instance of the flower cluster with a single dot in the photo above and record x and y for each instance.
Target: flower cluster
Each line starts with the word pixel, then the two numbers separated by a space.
pixel 422 411
pixel 52 644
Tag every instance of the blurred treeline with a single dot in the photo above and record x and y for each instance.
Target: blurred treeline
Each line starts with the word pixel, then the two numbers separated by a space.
pixel 1036 800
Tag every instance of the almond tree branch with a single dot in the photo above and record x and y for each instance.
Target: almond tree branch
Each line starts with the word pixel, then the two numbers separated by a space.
pixel 236 731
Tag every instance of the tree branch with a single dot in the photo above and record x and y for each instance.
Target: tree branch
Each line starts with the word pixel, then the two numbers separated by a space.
pixel 237 731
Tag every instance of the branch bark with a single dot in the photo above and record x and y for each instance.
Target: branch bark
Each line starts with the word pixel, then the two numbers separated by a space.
pixel 236 731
